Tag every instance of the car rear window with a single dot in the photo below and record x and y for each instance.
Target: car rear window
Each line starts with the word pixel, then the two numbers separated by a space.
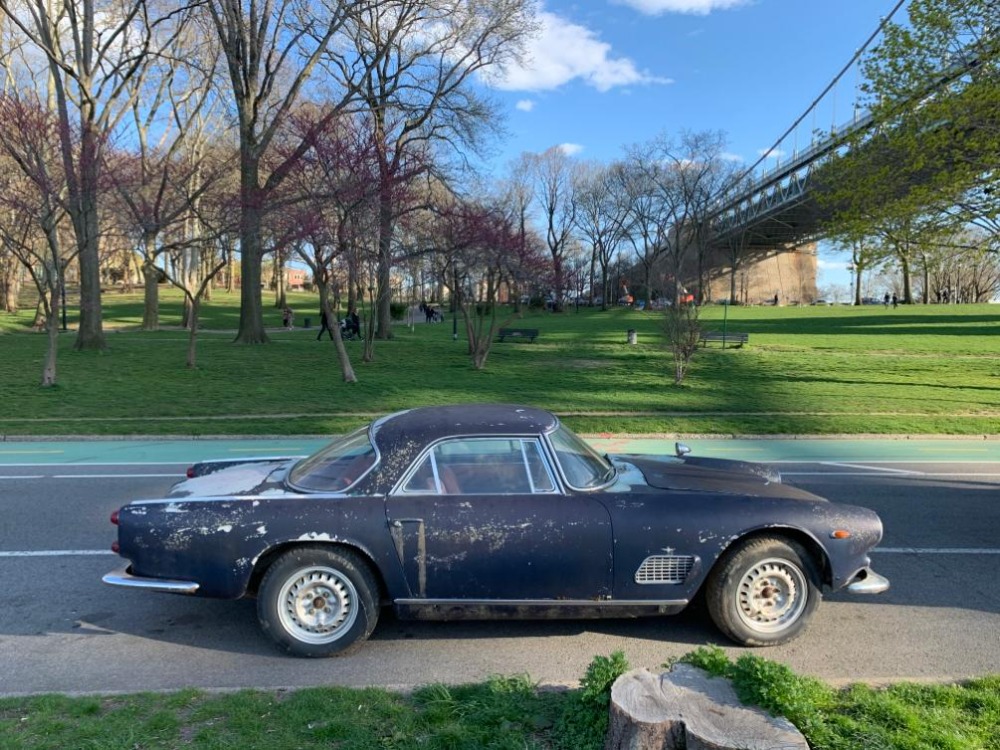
pixel 337 466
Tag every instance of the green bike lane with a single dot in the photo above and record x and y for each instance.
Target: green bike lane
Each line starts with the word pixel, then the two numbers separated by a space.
pixel 806 450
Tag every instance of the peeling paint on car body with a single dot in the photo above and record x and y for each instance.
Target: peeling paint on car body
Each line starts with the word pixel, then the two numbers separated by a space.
pixel 510 553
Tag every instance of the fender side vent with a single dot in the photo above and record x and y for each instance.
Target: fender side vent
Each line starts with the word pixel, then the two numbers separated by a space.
pixel 664 569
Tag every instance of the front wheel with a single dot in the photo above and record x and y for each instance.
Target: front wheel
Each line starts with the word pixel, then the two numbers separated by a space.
pixel 763 591
pixel 318 602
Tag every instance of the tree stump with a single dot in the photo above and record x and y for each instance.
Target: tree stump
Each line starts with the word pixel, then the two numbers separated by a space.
pixel 685 708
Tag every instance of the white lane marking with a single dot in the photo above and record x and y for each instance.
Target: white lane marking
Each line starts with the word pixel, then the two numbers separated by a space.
pixel 55 552
pixel 875 473
pixel 23 476
pixel 112 476
pixel 868 467
pixel 85 464
pixel 833 474
pixel 938 550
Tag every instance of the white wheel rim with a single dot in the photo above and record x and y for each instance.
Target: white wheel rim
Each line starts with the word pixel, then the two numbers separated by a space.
pixel 317 605
pixel 772 595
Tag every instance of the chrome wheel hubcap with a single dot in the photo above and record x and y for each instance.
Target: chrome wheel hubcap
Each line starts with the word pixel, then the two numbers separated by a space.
pixel 772 595
pixel 318 605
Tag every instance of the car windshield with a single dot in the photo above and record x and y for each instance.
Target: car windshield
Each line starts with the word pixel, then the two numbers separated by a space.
pixel 582 466
pixel 337 466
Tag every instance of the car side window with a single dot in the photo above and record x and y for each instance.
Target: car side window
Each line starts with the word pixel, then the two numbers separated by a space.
pixel 482 466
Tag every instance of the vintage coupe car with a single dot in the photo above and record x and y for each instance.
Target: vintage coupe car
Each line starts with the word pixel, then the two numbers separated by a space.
pixel 483 511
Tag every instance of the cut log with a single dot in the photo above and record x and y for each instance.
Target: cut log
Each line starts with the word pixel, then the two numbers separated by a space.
pixel 686 708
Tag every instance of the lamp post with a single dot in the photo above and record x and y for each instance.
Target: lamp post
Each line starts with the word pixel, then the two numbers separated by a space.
pixel 62 294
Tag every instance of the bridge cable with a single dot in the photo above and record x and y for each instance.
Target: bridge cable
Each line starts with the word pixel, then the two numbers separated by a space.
pixel 811 108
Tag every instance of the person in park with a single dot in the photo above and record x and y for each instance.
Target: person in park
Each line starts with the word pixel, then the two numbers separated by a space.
pixel 324 320
pixel 352 325
pixel 287 317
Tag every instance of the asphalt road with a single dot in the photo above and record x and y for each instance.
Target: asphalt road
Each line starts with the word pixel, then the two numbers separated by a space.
pixel 62 630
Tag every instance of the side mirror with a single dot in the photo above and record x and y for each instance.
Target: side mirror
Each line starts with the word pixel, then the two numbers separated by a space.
pixel 681 450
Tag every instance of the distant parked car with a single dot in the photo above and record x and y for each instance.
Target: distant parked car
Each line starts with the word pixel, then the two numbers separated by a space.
pixel 822 302
pixel 480 511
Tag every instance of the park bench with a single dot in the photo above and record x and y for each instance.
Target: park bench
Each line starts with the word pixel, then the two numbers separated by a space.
pixel 729 337
pixel 518 333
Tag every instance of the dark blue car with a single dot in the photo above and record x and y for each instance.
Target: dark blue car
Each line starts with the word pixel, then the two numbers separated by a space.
pixel 485 511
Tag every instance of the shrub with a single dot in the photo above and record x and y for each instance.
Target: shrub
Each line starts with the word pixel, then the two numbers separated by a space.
pixel 584 721
pixel 397 310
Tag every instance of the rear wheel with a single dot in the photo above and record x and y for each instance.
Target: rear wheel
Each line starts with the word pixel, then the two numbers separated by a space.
pixel 315 601
pixel 763 591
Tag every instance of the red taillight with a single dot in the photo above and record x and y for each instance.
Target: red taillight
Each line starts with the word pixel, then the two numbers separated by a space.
pixel 115 548
pixel 114 518
pixel 190 472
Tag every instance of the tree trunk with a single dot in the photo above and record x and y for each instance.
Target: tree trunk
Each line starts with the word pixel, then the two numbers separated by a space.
pixel 151 294
pixel 904 265
pixel 685 708
pixel 11 270
pixel 192 351
pixel 384 275
pixel 346 370
pixel 52 350
pixel 90 334
pixel 280 299
pixel 251 329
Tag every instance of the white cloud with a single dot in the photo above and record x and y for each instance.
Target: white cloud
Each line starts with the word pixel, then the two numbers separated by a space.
pixel 727 156
pixel 692 7
pixel 771 153
pixel 525 105
pixel 563 51
pixel 831 265
pixel 570 149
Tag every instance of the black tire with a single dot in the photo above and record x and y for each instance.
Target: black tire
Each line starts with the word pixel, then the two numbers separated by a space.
pixel 318 601
pixel 763 591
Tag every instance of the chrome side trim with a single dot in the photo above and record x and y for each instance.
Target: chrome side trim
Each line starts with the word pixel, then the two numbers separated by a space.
pixel 123 577
pixel 868 582
pixel 547 602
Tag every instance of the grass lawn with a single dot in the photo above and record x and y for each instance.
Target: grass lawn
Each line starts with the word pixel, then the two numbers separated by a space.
pixel 502 713
pixel 807 370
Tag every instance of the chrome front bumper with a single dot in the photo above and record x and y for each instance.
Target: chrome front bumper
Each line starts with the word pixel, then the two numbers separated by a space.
pixel 868 582
pixel 123 577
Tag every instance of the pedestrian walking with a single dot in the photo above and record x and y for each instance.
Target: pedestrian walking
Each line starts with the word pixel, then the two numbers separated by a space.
pixel 324 319
pixel 895 301
pixel 287 316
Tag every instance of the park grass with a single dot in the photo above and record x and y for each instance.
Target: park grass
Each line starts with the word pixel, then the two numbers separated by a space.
pixel 807 370
pixel 501 713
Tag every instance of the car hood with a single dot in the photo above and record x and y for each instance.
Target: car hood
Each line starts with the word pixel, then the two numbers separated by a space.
pixel 718 475
pixel 246 478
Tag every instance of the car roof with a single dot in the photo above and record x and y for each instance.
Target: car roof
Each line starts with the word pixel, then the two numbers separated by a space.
pixel 430 423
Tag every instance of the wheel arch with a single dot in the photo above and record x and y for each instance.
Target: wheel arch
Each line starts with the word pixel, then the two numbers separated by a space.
pixel 806 540
pixel 272 553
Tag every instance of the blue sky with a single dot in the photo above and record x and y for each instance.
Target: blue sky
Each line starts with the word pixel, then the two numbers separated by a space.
pixel 604 74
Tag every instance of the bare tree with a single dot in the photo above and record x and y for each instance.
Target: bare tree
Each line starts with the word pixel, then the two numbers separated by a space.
pixel 154 181
pixel 32 212
pixel 680 324
pixel 601 216
pixel 92 49
pixel 554 193
pixel 272 49
pixel 419 59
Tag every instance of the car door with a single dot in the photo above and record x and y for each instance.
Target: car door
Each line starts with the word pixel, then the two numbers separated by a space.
pixel 485 519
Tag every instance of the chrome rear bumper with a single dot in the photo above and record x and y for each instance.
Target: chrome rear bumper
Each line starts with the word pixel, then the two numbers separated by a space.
pixel 123 577
pixel 868 582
